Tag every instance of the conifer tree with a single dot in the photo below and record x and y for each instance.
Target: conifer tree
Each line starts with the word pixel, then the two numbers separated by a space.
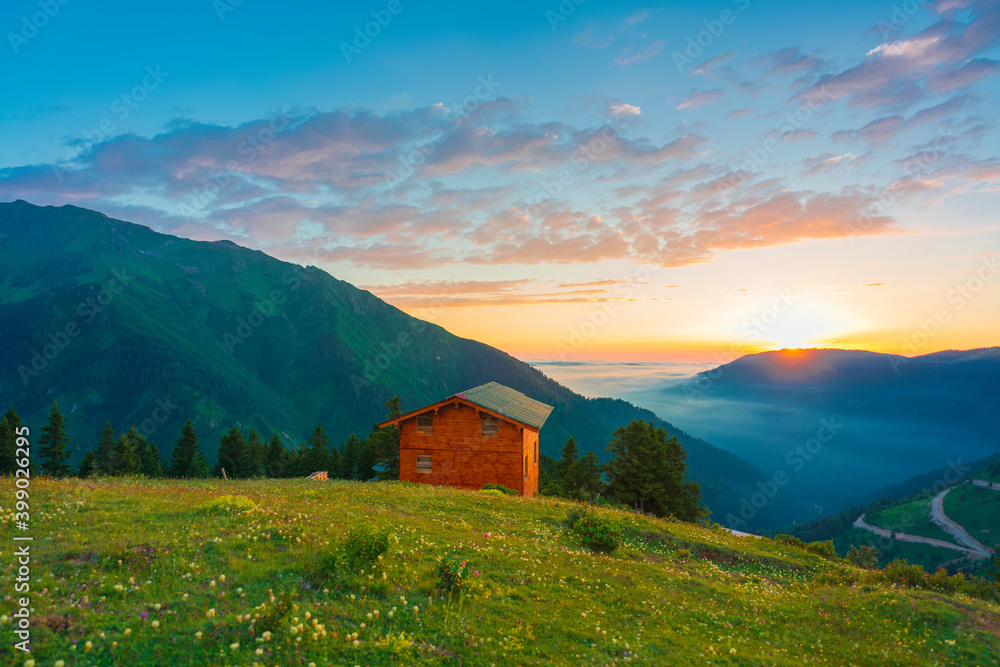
pixel 9 426
pixel 380 453
pixel 254 464
pixel 318 447
pixel 55 457
pixel 232 454
pixel 149 459
pixel 182 460
pixel 350 457
pixel 568 458
pixel 125 454
pixel 276 457
pixel 88 465
pixel 104 454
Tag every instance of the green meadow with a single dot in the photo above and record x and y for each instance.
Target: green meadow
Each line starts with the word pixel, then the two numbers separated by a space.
pixel 292 572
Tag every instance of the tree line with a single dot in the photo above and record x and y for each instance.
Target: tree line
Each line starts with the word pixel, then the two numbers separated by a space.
pixel 646 472
pixel 241 455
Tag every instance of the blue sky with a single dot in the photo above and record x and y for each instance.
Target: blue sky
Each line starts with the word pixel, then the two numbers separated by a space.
pixel 564 157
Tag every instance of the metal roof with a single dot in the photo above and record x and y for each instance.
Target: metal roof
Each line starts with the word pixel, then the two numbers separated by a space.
pixel 507 402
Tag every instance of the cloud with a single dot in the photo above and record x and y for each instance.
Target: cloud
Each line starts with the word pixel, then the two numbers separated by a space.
pixel 799 135
pixel 697 98
pixel 622 109
pixel 941 58
pixel 707 68
pixel 737 113
pixel 588 39
pixel 629 58
pixel 825 162
pixel 636 17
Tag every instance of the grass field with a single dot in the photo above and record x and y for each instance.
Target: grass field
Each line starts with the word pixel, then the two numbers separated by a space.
pixel 913 518
pixel 132 572
pixel 976 509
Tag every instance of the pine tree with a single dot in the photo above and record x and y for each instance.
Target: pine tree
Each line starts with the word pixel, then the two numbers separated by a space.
pixel 253 466
pixel 276 457
pixel 586 473
pixel 350 457
pixel 104 454
pixel 182 460
pixel 568 458
pixel 647 471
pixel 380 453
pixel 55 458
pixel 368 459
pixel 149 460
pixel 88 466
pixel 125 454
pixel 200 468
pixel 318 446
pixel 232 454
pixel 9 425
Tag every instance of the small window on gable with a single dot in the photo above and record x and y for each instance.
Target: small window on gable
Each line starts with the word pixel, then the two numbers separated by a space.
pixel 425 424
pixel 491 426
pixel 424 464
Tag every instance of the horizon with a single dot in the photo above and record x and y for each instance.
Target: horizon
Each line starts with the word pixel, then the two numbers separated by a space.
pixel 633 182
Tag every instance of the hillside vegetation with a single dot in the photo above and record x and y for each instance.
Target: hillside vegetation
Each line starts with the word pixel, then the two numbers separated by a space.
pixel 135 572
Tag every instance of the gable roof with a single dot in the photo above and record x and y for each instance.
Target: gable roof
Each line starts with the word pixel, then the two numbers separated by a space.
pixel 494 398
pixel 508 402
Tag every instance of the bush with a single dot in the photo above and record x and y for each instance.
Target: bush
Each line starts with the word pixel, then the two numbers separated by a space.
pixel 863 556
pixel 824 549
pixel 492 492
pixel 900 572
pixel 506 490
pixel 575 515
pixel 790 540
pixel 451 574
pixel 601 535
pixel 228 505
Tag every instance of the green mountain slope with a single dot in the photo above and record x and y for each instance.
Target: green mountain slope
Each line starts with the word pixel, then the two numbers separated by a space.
pixel 127 325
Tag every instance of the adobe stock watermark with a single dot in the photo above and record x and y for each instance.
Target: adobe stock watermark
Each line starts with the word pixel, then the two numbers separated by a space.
pixel 121 108
pixel 752 329
pixel 598 317
pixel 262 310
pixel 484 92
pixel 922 162
pixel 60 339
pixel 31 25
pixel 381 18
pixel 161 413
pixel 584 155
pixel 900 16
pixel 790 122
pixel 251 146
pixel 703 39
pixel 389 353
pixel 796 459
pixel 562 12
pixel 957 298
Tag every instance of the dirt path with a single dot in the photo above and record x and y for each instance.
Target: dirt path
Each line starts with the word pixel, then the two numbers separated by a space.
pixel 989 485
pixel 906 537
pixel 960 534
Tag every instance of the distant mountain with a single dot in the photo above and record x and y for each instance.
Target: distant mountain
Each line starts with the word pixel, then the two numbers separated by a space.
pixel 127 325
pixel 887 417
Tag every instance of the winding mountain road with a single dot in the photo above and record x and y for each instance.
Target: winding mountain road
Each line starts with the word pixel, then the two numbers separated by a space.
pixel 967 543
pixel 906 537
pixel 955 530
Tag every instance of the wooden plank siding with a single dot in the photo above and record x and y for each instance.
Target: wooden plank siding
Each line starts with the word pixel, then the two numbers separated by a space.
pixel 462 456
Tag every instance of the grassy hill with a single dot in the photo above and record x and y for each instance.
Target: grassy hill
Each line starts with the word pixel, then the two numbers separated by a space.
pixel 221 573
pixel 123 324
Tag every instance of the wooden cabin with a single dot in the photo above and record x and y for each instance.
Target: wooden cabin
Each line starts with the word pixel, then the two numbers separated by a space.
pixel 488 434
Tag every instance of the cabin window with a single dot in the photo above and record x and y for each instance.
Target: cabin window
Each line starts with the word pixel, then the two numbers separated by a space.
pixel 526 466
pixel 425 425
pixel 424 464
pixel 536 452
pixel 491 426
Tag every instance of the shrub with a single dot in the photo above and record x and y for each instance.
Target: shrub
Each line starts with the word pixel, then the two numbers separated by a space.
pixel 601 535
pixel 506 490
pixel 575 515
pixel 228 505
pixel 863 556
pixel 451 574
pixel 363 546
pixel 900 572
pixel 789 540
pixel 492 492
pixel 824 549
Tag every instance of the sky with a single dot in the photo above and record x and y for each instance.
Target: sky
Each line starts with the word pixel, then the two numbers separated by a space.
pixel 563 180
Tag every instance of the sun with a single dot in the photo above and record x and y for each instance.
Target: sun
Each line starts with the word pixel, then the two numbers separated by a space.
pixel 801 327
